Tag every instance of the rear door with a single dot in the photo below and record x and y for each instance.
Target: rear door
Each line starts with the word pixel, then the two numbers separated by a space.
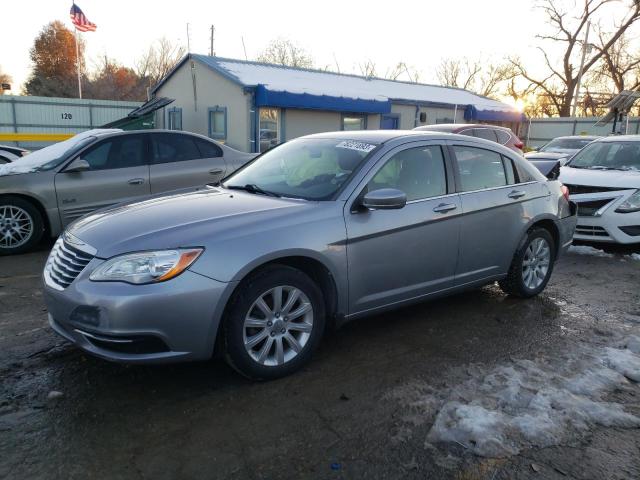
pixel 119 173
pixel 396 255
pixel 496 207
pixel 180 160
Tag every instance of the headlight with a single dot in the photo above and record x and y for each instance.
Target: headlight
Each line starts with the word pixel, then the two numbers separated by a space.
pixel 631 204
pixel 146 267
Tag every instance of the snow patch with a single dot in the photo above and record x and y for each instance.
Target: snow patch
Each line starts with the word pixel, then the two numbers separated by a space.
pixel 635 256
pixel 501 411
pixel 586 250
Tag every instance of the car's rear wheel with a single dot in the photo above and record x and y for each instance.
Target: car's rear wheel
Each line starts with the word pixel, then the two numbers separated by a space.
pixel 531 266
pixel 21 226
pixel 274 323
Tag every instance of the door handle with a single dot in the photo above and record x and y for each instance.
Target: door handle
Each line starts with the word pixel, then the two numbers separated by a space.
pixel 445 207
pixel 136 181
pixel 216 171
pixel 516 194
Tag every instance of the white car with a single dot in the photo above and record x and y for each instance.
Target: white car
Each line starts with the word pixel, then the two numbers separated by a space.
pixel 604 181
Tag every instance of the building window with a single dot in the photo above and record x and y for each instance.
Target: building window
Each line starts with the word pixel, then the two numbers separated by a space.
pixel 218 122
pixel 354 122
pixel 269 128
pixel 174 118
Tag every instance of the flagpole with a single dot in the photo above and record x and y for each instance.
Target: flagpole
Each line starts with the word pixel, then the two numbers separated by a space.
pixel 78 65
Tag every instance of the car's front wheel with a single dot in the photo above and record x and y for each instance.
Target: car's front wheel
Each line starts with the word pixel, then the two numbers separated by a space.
pixel 531 266
pixel 21 226
pixel 274 323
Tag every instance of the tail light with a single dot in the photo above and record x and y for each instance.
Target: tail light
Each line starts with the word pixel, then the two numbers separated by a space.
pixel 565 192
pixel 519 144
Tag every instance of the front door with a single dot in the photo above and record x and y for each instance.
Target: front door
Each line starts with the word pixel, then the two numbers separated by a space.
pixel 496 208
pixel 119 173
pixel 180 160
pixel 396 255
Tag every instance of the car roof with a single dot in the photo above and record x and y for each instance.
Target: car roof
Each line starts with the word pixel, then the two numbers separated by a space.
pixel 620 138
pixel 577 137
pixel 383 136
pixel 458 126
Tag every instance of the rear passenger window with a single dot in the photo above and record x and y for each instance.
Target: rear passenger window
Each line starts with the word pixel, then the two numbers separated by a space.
pixel 169 147
pixel 486 133
pixel 479 168
pixel 418 172
pixel 509 170
pixel 503 137
pixel 208 149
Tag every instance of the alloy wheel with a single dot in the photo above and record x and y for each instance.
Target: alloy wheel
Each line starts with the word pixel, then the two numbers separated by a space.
pixel 278 325
pixel 536 262
pixel 16 226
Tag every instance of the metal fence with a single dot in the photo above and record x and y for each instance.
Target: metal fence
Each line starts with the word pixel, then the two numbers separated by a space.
pixel 540 130
pixel 56 116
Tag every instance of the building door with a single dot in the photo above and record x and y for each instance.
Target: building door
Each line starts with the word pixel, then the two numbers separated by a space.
pixel 389 122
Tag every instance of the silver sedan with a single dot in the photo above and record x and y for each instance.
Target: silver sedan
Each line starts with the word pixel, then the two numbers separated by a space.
pixel 320 230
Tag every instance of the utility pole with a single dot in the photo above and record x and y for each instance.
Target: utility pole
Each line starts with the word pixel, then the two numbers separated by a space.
pixel 188 40
pixel 576 94
pixel 212 52
pixel 245 49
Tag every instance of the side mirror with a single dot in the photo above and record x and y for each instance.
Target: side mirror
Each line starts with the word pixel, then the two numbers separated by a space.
pixel 385 199
pixel 78 165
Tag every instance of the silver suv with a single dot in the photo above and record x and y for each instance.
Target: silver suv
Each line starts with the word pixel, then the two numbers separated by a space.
pixel 50 188
pixel 325 228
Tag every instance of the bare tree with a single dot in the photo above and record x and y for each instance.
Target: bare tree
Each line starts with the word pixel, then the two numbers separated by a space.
pixel 400 69
pixel 477 76
pixel 620 64
pixel 161 57
pixel 368 69
pixel 282 51
pixel 560 82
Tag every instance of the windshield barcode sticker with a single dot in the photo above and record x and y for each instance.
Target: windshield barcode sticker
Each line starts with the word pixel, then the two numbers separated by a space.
pixel 359 146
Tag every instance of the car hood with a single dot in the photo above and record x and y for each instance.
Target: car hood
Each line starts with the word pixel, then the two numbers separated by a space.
pixel 547 155
pixel 600 178
pixel 16 167
pixel 180 219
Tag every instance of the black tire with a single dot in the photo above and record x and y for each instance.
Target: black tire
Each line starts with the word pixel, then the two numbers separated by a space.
pixel 36 220
pixel 514 284
pixel 248 292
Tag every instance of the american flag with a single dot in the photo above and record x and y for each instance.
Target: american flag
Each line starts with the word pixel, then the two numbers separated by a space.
pixel 80 20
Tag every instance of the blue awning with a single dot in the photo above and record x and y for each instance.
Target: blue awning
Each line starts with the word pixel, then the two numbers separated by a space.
pixel 472 113
pixel 283 99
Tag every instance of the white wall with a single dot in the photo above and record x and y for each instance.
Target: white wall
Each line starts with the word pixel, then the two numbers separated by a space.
pixel 212 90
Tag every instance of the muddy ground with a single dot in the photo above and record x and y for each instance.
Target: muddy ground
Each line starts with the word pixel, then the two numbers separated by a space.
pixel 344 416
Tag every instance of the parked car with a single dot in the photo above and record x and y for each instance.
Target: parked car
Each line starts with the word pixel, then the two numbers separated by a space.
pixel 325 228
pixel 604 181
pixel 52 187
pixel 502 135
pixel 11 154
pixel 560 148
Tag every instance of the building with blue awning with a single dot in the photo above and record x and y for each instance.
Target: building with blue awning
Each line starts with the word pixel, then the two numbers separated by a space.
pixel 253 106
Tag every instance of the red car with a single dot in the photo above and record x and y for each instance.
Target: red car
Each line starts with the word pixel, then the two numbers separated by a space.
pixel 501 135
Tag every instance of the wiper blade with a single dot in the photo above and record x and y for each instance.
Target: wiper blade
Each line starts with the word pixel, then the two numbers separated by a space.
pixel 252 188
pixel 601 167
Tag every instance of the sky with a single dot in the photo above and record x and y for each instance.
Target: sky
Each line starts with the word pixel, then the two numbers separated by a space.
pixel 346 32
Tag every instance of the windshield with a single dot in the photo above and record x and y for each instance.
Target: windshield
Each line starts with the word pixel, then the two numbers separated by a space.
pixel 562 144
pixel 49 157
pixel 608 156
pixel 312 169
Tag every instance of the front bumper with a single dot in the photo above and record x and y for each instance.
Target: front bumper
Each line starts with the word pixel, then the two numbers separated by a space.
pixel 606 225
pixel 165 322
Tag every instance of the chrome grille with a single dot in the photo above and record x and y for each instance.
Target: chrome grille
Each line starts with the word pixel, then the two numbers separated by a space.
pixel 592 231
pixel 582 189
pixel 591 208
pixel 64 264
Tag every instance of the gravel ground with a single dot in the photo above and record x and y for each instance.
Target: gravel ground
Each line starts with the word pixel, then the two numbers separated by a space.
pixel 385 397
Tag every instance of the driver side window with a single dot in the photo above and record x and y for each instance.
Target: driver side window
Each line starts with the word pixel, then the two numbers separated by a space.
pixel 418 172
pixel 119 152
